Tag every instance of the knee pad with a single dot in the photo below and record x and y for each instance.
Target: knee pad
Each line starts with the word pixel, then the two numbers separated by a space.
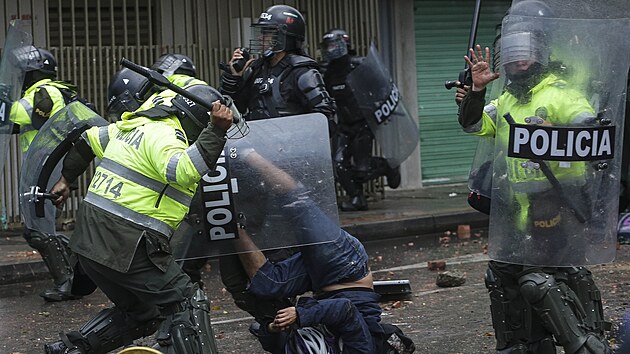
pixel 534 286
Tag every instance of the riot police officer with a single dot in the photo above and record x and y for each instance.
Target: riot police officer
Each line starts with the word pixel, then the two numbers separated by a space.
pixel 529 303
pixel 151 161
pixel 43 96
pixel 282 81
pixel 354 163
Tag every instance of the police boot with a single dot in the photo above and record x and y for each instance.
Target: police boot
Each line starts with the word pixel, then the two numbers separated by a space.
pixel 358 202
pixel 393 177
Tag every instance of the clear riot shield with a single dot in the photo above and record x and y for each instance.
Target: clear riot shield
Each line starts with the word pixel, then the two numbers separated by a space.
pixel 274 187
pixel 16 55
pixel 41 167
pixel 557 155
pixel 380 102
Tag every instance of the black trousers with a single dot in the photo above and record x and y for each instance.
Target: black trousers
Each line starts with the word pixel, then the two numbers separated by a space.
pixel 145 288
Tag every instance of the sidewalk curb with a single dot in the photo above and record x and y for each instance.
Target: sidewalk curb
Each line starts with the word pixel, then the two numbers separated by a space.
pixel 429 224
pixel 23 272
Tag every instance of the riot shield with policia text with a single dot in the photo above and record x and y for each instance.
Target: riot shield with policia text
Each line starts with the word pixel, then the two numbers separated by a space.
pixel 18 54
pixel 381 104
pixel 557 159
pixel 42 164
pixel 276 184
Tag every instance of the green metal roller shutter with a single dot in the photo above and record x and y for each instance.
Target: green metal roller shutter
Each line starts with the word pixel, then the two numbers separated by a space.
pixel 442 28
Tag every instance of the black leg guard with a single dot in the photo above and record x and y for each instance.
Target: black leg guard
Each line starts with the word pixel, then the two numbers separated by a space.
pixel 517 329
pixel 188 331
pixel 580 280
pixel 59 260
pixel 561 313
pixel 109 329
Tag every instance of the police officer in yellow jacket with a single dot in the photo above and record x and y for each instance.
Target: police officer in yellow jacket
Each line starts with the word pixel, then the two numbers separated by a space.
pixel 534 95
pixel 151 162
pixel 43 97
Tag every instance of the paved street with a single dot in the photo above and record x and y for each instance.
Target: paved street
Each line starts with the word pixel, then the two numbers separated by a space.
pixel 439 320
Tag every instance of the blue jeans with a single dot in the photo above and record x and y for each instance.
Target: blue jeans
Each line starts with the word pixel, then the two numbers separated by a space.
pixel 332 256
pixel 313 268
pixel 350 315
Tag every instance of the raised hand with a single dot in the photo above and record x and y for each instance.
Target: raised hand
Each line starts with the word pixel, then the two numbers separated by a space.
pixel 480 68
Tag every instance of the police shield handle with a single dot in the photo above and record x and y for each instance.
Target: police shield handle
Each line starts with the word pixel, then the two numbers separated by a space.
pixel 61 190
pixel 158 79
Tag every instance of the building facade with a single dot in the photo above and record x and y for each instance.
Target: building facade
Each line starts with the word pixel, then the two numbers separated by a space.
pixel 422 41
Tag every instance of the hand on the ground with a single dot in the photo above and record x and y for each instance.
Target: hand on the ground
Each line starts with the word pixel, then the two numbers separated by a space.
pixel 62 189
pixel 480 68
pixel 461 92
pixel 285 318
pixel 221 115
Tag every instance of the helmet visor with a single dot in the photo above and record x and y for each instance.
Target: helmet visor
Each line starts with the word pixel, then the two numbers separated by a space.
pixel 521 46
pixel 124 102
pixel 265 39
pixel 334 49
pixel 28 58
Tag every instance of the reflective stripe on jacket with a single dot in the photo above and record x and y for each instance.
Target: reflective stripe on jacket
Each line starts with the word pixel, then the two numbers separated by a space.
pixel 147 175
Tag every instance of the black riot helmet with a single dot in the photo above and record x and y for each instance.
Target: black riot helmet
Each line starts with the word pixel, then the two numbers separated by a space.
pixel 530 8
pixel 41 65
pixel 335 44
pixel 126 93
pixel 169 64
pixel 192 116
pixel 279 28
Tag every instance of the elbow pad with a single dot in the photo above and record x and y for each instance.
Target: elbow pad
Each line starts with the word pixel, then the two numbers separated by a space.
pixel 311 85
pixel 229 83
pixel 77 160
pixel 471 108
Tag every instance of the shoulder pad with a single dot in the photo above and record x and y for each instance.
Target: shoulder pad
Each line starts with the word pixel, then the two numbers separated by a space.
pixel 295 60
pixel 180 135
